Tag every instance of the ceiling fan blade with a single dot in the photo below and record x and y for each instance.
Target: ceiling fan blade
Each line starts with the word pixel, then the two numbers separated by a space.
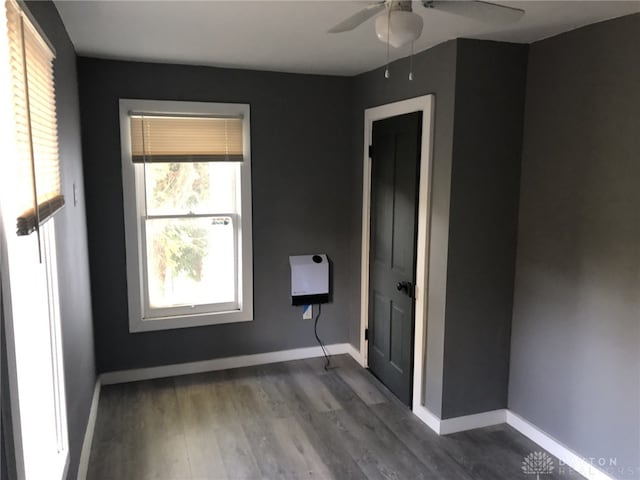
pixel 362 16
pixel 478 10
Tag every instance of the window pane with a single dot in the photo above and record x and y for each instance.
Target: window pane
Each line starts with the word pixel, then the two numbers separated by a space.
pixel 190 261
pixel 181 188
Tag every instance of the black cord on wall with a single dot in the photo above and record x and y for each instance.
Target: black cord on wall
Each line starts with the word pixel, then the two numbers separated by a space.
pixel 324 350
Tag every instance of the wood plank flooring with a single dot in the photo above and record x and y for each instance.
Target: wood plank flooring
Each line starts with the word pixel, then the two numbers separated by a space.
pixel 288 420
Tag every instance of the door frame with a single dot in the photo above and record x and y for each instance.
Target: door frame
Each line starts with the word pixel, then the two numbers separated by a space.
pixel 424 104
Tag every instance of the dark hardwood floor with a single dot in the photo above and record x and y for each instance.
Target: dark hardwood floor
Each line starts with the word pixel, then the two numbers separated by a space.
pixel 288 420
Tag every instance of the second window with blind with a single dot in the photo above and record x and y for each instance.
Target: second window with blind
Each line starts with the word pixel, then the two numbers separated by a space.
pixel 187 198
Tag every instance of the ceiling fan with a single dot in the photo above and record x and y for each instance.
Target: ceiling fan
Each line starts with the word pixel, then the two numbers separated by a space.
pixel 401 25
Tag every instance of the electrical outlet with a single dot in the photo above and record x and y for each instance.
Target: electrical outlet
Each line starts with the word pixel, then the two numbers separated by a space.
pixel 307 312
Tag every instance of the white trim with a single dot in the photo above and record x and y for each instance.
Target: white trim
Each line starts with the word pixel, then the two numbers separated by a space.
pixel 555 448
pixel 470 422
pixel 85 454
pixel 423 104
pixel 13 293
pixel 459 424
pixel 429 418
pixel 7 316
pixel 55 328
pixel 132 182
pixel 422 254
pixel 497 417
pixel 355 354
pixel 135 375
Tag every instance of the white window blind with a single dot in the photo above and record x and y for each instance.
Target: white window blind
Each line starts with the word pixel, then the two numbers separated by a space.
pixel 169 138
pixel 38 182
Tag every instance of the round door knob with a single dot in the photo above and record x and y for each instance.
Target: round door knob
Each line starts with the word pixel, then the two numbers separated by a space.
pixel 405 287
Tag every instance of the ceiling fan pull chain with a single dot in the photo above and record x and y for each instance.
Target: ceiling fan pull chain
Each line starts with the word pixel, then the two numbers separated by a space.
pixel 386 70
pixel 411 63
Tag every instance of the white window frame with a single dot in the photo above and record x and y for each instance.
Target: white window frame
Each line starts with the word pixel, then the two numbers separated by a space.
pixel 133 196
pixel 36 455
pixel 31 310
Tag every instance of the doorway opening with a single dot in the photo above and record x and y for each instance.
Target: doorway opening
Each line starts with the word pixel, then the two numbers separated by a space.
pixel 424 106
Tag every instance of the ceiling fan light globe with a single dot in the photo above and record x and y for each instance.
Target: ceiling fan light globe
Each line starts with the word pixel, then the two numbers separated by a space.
pixel 401 27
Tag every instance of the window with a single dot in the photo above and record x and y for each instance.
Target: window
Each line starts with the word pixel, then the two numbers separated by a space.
pixel 30 191
pixel 187 191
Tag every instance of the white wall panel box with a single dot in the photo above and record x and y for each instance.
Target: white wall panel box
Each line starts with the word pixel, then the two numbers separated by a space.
pixel 309 279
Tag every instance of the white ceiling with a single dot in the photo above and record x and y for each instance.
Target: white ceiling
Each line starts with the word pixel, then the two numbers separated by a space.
pixel 291 36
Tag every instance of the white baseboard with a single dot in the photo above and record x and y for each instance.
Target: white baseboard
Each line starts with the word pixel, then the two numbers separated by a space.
pixel 83 465
pixel 356 355
pixel 555 448
pixel 469 422
pixel 430 419
pixel 459 424
pixel 497 417
pixel 137 374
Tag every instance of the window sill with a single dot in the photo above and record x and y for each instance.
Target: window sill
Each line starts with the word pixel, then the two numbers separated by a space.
pixel 186 321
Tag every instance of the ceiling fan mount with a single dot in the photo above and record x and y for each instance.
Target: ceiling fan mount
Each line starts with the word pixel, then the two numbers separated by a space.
pixel 401 25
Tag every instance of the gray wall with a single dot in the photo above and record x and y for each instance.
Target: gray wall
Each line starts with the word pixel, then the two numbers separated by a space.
pixel 434 72
pixel 479 102
pixel 575 352
pixel 487 143
pixel 71 237
pixel 301 142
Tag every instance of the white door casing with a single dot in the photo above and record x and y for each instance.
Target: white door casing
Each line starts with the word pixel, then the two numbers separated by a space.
pixel 424 104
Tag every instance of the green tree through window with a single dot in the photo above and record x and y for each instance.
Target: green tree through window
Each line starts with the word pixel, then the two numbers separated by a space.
pixel 182 245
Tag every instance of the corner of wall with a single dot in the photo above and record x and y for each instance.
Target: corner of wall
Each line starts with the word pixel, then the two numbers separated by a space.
pixel 487 149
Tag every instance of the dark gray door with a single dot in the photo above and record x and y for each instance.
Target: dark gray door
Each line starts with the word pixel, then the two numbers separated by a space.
pixel 395 158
